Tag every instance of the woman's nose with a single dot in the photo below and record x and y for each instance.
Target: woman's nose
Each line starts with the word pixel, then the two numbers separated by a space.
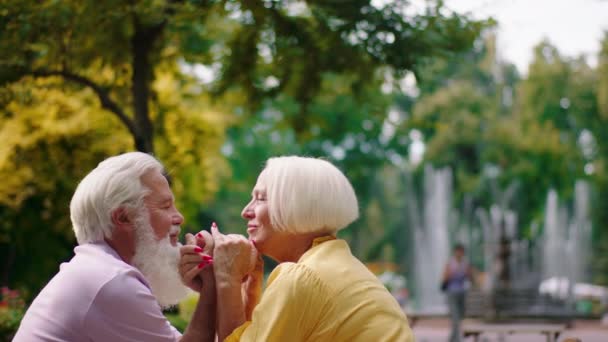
pixel 247 212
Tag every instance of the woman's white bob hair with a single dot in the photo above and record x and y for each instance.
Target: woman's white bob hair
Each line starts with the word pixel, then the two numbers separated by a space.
pixel 308 195
pixel 115 182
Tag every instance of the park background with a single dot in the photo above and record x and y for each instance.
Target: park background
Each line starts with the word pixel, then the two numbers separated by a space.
pixel 443 136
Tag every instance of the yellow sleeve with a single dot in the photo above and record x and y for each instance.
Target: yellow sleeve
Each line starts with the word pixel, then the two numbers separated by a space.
pixel 288 309
pixel 237 333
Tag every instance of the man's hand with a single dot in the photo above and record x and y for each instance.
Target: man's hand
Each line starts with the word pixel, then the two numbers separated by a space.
pixel 232 262
pixel 233 257
pixel 195 255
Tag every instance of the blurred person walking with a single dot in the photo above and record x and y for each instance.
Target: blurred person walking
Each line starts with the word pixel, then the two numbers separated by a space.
pixel 456 276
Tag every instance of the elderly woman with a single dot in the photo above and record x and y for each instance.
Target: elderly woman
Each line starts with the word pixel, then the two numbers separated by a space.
pixel 319 291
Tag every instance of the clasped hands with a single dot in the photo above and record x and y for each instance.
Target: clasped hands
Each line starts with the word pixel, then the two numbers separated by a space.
pixel 229 259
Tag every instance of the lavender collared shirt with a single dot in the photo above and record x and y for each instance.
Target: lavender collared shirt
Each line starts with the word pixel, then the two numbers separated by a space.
pixel 96 296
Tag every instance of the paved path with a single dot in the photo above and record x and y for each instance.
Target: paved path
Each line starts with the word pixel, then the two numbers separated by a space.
pixel 437 330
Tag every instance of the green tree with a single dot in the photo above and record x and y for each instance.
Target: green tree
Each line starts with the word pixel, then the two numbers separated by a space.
pixel 47 145
pixel 51 140
pixel 476 115
pixel 459 101
pixel 345 129
pixel 119 71
pixel 593 87
pixel 114 48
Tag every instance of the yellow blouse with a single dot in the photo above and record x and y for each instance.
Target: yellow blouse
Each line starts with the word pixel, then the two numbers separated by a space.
pixel 328 295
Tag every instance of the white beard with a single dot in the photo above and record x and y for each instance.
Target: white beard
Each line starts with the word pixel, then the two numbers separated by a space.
pixel 158 261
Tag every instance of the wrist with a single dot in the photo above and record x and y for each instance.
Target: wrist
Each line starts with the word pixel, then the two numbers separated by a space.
pixel 227 282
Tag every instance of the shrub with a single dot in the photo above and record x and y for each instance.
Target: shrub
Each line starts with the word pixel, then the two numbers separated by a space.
pixel 12 309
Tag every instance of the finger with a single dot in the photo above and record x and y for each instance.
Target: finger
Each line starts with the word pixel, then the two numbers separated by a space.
pixel 216 233
pixel 185 267
pixel 204 264
pixel 190 262
pixel 189 249
pixel 193 258
pixel 190 274
pixel 208 247
pixel 190 240
pixel 259 262
pixel 200 240
pixel 254 254
pixel 253 247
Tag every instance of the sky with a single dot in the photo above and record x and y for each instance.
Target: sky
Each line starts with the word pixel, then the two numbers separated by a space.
pixel 575 27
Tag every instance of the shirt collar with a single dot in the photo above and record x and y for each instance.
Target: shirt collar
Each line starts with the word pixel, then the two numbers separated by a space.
pixel 322 239
pixel 315 243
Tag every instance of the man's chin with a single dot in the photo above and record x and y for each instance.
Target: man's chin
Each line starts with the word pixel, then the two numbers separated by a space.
pixel 167 288
pixel 159 266
pixel 176 297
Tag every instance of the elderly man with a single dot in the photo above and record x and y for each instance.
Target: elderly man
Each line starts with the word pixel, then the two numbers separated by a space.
pixel 125 268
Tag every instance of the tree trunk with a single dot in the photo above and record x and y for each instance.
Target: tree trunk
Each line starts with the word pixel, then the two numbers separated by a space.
pixel 142 44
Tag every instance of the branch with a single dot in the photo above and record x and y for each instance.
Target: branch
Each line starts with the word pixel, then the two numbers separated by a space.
pixel 104 97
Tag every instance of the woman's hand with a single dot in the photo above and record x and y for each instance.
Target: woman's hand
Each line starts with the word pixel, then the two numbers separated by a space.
pixel 252 286
pixel 195 256
pixel 232 257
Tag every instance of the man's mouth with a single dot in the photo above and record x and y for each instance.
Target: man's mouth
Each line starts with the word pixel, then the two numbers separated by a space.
pixel 174 237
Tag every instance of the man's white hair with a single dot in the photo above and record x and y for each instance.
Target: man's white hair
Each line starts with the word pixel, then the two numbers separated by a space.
pixel 115 182
pixel 308 195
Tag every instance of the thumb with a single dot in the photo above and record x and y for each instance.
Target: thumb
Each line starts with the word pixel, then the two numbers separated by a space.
pixel 214 231
pixel 190 239
pixel 255 251
pixel 256 259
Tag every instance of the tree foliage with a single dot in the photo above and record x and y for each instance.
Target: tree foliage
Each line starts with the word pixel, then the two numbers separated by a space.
pixel 49 140
pixel 114 47
pixel 81 80
pixel 542 132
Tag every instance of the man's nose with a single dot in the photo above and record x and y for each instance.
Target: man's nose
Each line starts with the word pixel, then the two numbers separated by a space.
pixel 178 219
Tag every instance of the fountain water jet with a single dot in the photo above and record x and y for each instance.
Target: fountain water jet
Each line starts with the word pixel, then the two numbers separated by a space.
pixel 435 224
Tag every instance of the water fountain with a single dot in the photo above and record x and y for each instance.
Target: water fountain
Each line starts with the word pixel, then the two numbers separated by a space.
pixel 566 238
pixel 509 261
pixel 431 248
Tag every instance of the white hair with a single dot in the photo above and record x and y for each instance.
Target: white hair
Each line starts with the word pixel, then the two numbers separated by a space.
pixel 158 261
pixel 308 195
pixel 114 183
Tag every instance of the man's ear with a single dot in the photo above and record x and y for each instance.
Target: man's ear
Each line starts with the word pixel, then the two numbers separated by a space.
pixel 121 218
pixel 123 233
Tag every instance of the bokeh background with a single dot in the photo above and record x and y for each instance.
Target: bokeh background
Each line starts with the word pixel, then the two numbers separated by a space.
pixel 456 121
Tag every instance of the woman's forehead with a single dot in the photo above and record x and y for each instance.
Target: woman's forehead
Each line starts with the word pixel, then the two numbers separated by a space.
pixel 259 187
